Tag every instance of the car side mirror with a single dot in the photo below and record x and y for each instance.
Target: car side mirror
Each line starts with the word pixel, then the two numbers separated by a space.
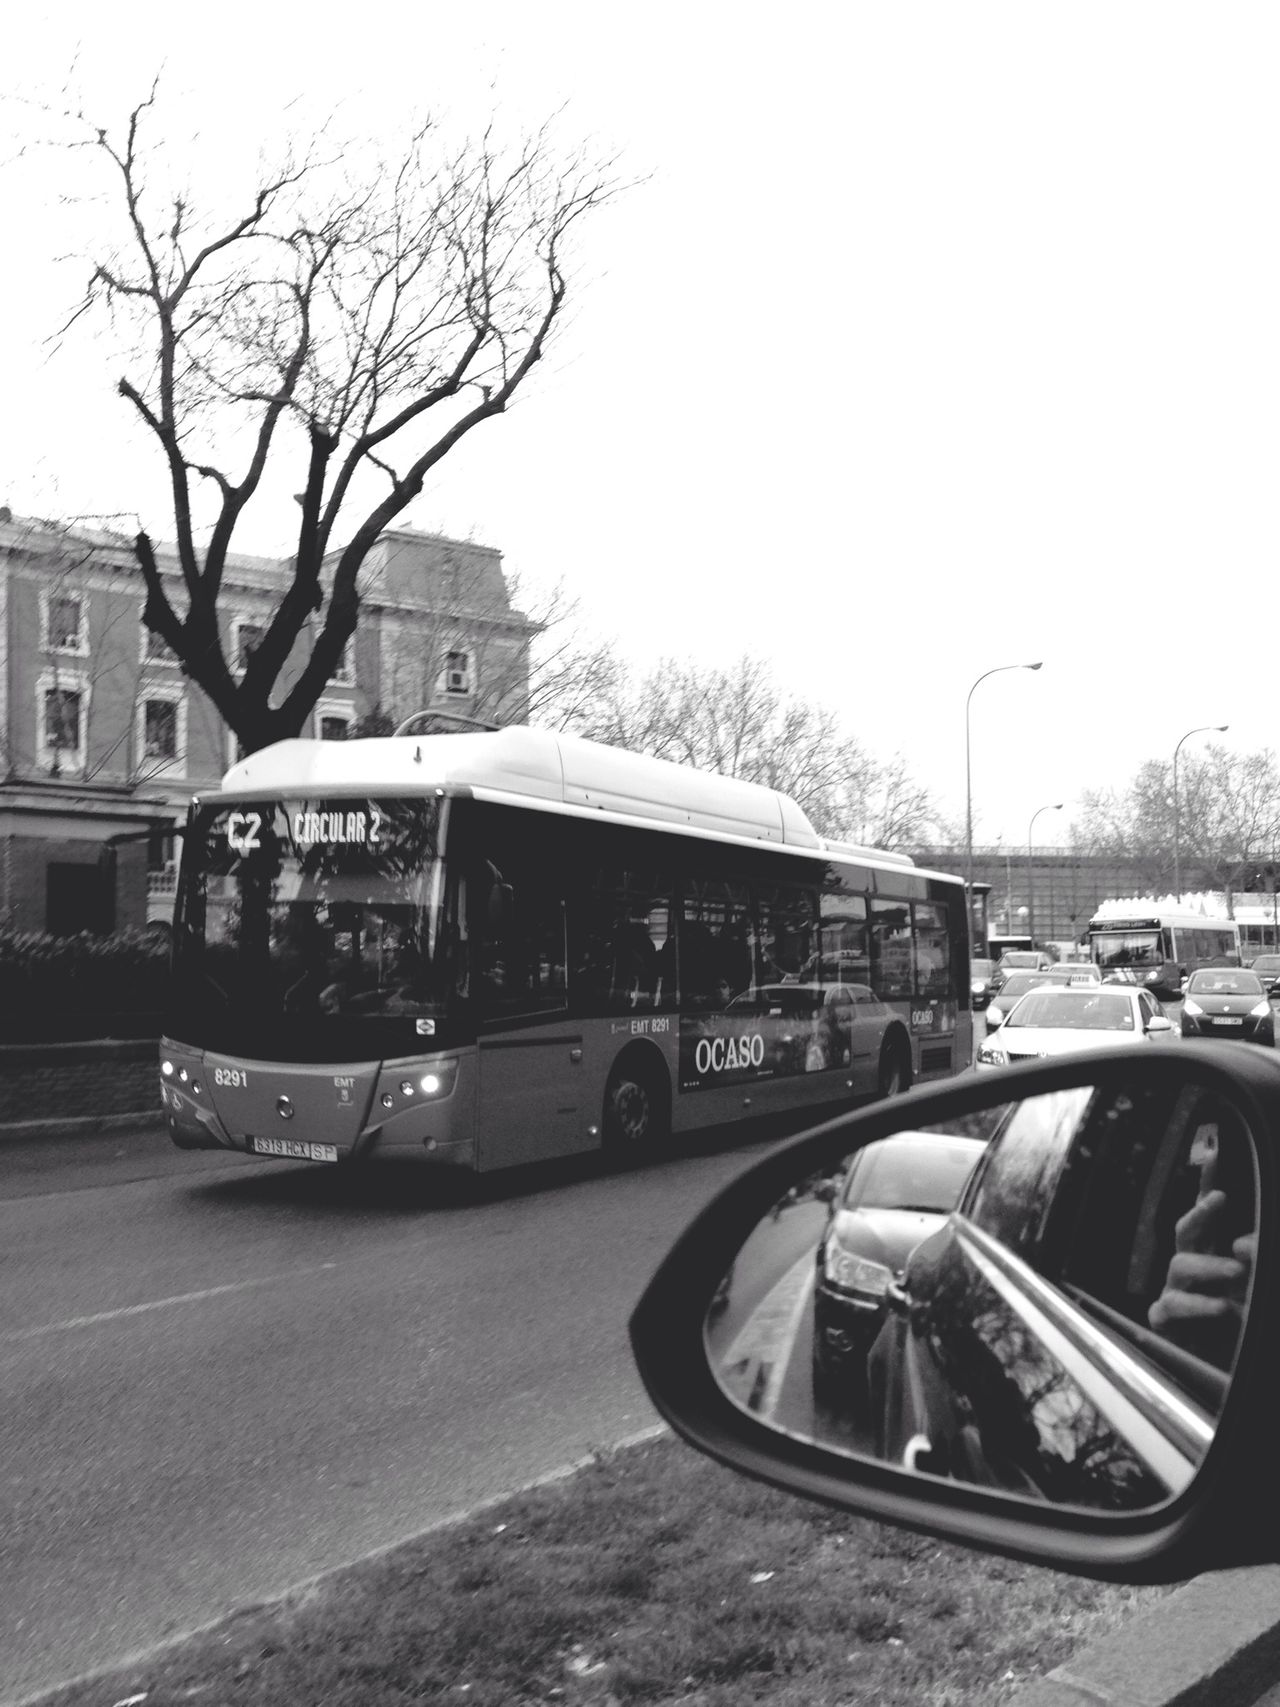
pixel 1036 1317
pixel 1159 1022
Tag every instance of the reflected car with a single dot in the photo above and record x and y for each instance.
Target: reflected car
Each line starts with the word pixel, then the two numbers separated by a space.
pixel 1267 967
pixel 980 976
pixel 1227 1001
pixel 1061 1020
pixel 896 1192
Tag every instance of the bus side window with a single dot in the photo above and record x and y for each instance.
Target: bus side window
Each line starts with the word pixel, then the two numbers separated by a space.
pixel 784 933
pixel 891 948
pixel 932 950
pixel 520 943
pixel 624 956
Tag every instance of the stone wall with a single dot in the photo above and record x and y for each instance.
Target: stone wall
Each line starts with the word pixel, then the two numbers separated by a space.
pixel 75 1081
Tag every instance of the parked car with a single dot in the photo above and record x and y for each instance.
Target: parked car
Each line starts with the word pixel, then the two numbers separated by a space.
pixel 1228 1001
pixel 895 1193
pixel 1060 1020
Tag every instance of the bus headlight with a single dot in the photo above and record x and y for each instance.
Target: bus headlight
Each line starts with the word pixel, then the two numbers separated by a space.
pixel 439 1080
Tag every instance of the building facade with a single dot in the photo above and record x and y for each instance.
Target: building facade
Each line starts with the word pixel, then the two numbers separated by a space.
pixel 103 739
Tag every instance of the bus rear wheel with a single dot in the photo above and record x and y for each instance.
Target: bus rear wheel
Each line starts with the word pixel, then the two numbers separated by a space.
pixel 635 1109
pixel 895 1068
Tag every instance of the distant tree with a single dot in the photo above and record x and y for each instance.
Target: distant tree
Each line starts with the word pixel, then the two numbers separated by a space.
pixel 329 327
pixel 1228 819
pixel 737 722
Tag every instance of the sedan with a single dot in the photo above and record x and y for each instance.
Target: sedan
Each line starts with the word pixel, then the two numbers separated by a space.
pixel 1010 993
pixel 1267 967
pixel 896 1192
pixel 1225 1001
pixel 1056 1021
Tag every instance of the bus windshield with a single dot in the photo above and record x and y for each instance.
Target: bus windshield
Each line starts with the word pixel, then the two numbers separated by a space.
pixel 1128 948
pixel 312 929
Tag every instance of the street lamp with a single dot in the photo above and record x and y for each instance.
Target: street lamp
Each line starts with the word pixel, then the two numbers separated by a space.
pixel 1031 893
pixel 968 790
pixel 1203 729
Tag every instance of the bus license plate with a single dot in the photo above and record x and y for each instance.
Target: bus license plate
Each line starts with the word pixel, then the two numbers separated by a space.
pixel 296 1149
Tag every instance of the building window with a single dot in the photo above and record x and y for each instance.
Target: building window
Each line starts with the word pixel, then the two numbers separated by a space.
pixel 65 628
pixel 154 649
pixel 161 732
pixel 345 674
pixel 63 721
pixel 249 636
pixel 333 728
pixel 160 729
pixel 457 673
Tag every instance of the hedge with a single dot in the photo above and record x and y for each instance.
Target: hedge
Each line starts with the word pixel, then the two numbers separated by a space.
pixel 71 987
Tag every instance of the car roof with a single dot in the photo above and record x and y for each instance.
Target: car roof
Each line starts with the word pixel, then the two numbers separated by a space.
pixel 926 1140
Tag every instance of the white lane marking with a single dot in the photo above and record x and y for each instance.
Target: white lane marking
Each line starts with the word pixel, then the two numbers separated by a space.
pixel 156 1304
pixel 752 1369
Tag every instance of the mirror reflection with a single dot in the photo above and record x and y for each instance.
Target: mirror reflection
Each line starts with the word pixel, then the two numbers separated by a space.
pixel 1042 1298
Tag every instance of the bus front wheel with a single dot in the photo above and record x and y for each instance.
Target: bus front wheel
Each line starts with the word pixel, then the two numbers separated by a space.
pixel 634 1108
pixel 895 1068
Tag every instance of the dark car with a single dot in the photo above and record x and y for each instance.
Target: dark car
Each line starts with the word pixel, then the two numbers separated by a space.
pixel 1227 1001
pixel 896 1192
pixel 981 974
pixel 1267 967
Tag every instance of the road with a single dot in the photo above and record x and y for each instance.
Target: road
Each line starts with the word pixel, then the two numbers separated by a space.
pixel 222 1377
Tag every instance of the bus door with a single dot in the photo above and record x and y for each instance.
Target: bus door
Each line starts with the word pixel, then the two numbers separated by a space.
pixel 532 1102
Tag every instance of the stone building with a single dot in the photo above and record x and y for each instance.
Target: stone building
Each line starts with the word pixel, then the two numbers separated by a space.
pixel 103 740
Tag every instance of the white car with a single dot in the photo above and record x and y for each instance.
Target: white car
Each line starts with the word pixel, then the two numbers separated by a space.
pixel 1060 1019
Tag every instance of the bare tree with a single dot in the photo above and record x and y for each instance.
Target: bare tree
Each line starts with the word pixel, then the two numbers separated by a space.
pixel 1227 819
pixel 361 328
pixel 736 722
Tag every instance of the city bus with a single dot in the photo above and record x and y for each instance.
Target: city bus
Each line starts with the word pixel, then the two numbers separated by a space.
pixel 488 949
pixel 1160 944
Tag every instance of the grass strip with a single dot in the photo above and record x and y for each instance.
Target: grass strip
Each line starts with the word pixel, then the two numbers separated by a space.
pixel 651 1577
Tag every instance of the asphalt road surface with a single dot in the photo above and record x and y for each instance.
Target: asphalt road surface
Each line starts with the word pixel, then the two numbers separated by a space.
pixel 221 1377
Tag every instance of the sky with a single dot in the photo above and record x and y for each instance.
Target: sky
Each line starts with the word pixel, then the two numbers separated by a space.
pixel 930 339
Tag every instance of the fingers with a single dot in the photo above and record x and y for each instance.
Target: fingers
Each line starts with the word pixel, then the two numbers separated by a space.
pixel 1183 1315
pixel 1193 1271
pixel 1197 1230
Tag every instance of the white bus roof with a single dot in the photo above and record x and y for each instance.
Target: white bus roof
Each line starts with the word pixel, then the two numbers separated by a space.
pixel 522 764
pixel 1207 909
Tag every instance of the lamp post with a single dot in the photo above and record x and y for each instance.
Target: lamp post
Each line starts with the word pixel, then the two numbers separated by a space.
pixel 968 789
pixel 1202 729
pixel 1056 806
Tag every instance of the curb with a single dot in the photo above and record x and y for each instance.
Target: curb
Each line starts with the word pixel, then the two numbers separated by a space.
pixel 300 1593
pixel 1213 1643
pixel 82 1126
